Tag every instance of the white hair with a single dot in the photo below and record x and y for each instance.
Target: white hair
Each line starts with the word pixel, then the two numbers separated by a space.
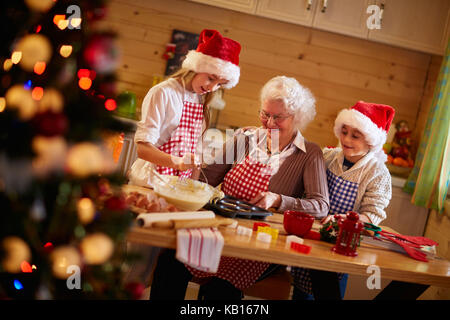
pixel 297 99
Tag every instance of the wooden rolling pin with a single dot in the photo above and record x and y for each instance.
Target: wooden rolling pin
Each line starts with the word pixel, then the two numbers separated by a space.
pixel 178 220
pixel 197 223
pixel 148 219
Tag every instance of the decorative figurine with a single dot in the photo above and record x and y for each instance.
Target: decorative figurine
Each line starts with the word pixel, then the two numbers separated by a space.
pixel 401 145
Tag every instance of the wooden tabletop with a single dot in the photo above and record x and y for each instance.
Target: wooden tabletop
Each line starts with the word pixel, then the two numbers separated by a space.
pixel 393 265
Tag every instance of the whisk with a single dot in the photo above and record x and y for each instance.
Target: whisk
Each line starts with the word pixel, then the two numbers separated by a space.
pixel 160 178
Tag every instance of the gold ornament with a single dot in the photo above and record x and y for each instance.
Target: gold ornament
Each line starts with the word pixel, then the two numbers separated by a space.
pixel 34 48
pixel 16 251
pixel 97 248
pixel 62 258
pixel 18 97
pixel 85 210
pixel 40 5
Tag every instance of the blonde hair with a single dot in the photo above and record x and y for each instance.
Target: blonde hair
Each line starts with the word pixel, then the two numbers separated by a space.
pixel 297 100
pixel 186 76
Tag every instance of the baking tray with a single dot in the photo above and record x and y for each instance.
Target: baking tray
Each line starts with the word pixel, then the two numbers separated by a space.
pixel 232 207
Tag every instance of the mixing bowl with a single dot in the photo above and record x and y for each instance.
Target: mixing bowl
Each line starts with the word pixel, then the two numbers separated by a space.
pixel 297 223
pixel 185 194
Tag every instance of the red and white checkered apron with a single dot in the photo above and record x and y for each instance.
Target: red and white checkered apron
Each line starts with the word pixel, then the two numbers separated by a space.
pixel 184 139
pixel 244 181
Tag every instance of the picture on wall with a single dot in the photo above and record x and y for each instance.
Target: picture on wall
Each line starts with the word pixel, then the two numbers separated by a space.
pixel 183 41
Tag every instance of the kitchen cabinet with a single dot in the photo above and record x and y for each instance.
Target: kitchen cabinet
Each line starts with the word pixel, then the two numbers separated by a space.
pixel 347 17
pixel 414 24
pixel 299 11
pixel 421 25
pixel 344 16
pixel 247 6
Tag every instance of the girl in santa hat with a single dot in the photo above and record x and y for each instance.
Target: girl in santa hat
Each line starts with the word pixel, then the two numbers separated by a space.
pixel 175 111
pixel 174 115
pixel 358 180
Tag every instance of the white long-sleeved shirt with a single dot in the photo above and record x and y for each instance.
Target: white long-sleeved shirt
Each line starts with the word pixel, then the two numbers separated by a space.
pixel 161 112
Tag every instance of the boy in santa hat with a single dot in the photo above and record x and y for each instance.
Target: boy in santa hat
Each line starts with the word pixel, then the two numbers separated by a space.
pixel 358 180
pixel 175 111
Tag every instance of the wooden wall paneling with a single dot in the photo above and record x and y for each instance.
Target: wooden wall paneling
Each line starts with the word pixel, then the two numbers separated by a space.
pixel 339 70
pixel 261 41
pixel 346 94
pixel 299 36
pixel 330 74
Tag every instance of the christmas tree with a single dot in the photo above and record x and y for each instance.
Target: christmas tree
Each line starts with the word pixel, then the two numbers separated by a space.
pixel 63 216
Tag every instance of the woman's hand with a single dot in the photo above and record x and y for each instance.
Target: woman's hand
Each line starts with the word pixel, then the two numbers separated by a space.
pixel 266 200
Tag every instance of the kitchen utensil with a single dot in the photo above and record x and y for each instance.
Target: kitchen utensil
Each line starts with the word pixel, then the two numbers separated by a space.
pixel 297 222
pixel 410 244
pixel 189 196
pixel 161 179
pixel 148 219
pixel 232 207
pixel 196 223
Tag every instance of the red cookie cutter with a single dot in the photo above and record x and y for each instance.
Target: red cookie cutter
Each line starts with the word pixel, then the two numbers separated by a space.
pixel 302 248
pixel 259 224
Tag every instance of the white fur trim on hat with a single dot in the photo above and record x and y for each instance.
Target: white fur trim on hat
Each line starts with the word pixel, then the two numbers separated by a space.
pixel 374 135
pixel 200 62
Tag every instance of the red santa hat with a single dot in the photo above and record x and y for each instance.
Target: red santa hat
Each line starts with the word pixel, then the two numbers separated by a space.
pixel 371 119
pixel 217 55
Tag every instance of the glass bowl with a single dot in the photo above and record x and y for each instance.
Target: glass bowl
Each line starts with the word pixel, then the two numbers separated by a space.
pixel 185 194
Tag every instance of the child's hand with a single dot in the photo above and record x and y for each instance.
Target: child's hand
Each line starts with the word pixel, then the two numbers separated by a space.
pixel 331 217
pixel 362 218
pixel 186 162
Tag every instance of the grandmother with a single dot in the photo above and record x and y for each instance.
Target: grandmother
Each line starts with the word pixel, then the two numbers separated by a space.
pixel 272 166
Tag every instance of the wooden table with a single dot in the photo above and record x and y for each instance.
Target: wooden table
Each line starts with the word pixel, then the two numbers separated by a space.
pixel 393 265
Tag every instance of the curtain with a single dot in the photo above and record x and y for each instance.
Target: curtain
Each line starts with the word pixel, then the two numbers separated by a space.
pixel 429 179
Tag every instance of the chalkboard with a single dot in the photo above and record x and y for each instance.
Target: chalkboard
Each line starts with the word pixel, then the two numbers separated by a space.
pixel 184 42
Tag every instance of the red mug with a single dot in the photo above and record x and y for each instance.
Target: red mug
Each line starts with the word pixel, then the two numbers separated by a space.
pixel 297 223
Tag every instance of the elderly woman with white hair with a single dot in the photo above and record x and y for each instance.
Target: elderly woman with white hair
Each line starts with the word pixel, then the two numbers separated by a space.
pixel 272 166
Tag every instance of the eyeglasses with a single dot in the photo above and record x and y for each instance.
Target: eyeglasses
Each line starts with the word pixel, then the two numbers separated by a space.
pixel 276 117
